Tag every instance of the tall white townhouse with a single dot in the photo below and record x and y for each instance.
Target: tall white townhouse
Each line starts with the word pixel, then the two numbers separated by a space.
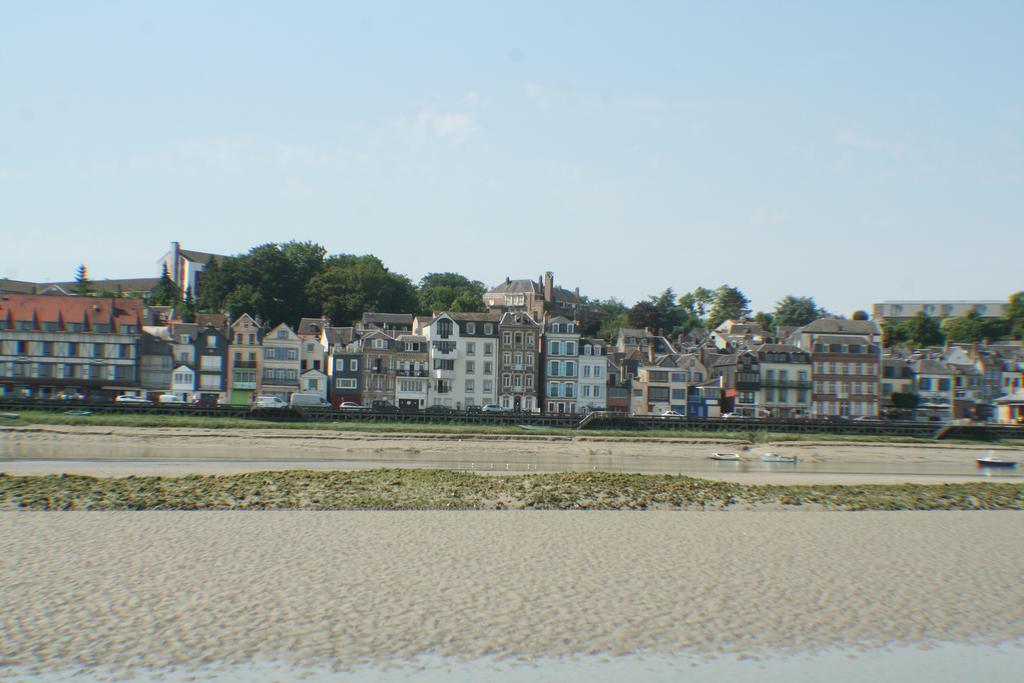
pixel 593 364
pixel 463 351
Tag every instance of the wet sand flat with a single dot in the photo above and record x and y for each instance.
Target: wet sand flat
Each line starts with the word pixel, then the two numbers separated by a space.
pixel 122 451
pixel 337 589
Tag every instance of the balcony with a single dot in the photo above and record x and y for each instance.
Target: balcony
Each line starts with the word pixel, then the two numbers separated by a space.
pixel 787 383
pixel 411 373
pixel 244 364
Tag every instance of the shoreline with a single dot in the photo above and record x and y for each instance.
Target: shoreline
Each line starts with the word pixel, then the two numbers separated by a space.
pixel 166 451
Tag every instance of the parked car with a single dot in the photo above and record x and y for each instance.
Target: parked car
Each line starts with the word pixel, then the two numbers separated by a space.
pixel 70 396
pixel 670 413
pixel 308 401
pixel 438 410
pixel 268 402
pixel 170 398
pixel 131 398
pixel 491 408
pixel 206 400
pixel 349 405
pixel 381 406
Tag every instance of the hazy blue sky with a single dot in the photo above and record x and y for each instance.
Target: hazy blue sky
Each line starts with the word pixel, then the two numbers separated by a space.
pixel 853 151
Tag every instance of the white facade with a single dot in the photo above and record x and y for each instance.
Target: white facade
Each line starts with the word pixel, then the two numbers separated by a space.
pixel 183 382
pixel 463 360
pixel 593 377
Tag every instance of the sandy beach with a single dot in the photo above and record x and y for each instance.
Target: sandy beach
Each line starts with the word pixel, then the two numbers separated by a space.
pixel 123 451
pixel 137 591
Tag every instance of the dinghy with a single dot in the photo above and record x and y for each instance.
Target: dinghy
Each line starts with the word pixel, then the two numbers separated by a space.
pixel 777 457
pixel 995 461
pixel 726 456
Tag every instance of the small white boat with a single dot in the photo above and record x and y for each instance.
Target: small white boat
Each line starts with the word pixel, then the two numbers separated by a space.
pixel 9 416
pixel 995 461
pixel 777 457
pixel 726 456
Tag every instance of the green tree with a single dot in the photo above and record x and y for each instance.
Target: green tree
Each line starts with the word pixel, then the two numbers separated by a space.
pixel 1015 315
pixel 351 285
pixel 767 321
pixel 187 308
pixel 730 304
pixel 971 327
pixel 82 284
pixel 796 311
pixel 644 314
pixel 450 292
pixel 611 315
pixel 165 292
pixel 697 303
pixel 923 330
pixel 893 333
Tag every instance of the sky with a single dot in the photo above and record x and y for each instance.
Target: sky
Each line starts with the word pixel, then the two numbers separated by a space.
pixel 853 152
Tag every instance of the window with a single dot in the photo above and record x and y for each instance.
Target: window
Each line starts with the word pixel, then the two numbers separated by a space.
pixel 570 369
pixel 444 328
pixel 553 389
pixel 519 338
pixel 944 384
pixel 470 386
pixel 555 348
pixel 529 338
pixel 597 391
pixel 569 390
pixel 345 383
pixel 488 349
pixel 470 348
pixel 586 370
pixel 488 329
pixel 470 367
pixel 678 394
pixel 529 359
pixel 470 328
pixel 252 338
pixel 488 386
pixel 211 341
pixel 353 365
pixel 209 363
pixel 554 368
pixel 529 381
pixel 925 383
pixel 506 358
pixel 282 334
pixel 518 358
pixel 570 348
pixel 488 367
pixel 506 380
pixel 597 372
pixel 507 338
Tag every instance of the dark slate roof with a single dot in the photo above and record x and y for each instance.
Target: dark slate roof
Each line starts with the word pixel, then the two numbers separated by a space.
pixel 339 335
pixel 381 319
pixel 124 284
pixel 841 326
pixel 927 366
pixel 516 287
pixel 312 326
pixel 199 256
pixel 778 348
pixel 17 286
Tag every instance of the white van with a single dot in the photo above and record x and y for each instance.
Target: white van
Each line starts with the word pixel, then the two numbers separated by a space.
pixel 268 402
pixel 170 398
pixel 308 401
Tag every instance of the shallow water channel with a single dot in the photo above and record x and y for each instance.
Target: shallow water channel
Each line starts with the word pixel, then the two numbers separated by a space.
pixel 97 459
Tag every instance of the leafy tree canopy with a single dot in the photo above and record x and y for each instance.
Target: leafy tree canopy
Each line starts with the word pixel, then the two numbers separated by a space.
pixel 450 292
pixel 351 285
pixel 730 304
pixel 797 311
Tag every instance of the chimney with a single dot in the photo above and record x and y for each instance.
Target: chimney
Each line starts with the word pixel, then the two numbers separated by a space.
pixel 650 351
pixel 577 292
pixel 549 286
pixel 508 280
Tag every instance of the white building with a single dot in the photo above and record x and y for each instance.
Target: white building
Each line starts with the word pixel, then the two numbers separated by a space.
pixel 593 362
pixel 281 349
pixel 463 359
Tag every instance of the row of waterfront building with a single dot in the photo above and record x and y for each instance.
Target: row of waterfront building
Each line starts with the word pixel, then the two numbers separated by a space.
pixel 53 346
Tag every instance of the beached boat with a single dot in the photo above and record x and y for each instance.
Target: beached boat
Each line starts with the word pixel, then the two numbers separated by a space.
pixel 726 456
pixel 9 416
pixel 995 461
pixel 78 412
pixel 777 457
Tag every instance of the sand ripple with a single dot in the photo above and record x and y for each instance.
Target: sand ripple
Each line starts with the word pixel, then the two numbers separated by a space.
pixel 159 589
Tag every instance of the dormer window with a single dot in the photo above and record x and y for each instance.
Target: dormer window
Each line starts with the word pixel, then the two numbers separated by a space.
pixel 282 334
pixel 488 329
pixel 470 328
